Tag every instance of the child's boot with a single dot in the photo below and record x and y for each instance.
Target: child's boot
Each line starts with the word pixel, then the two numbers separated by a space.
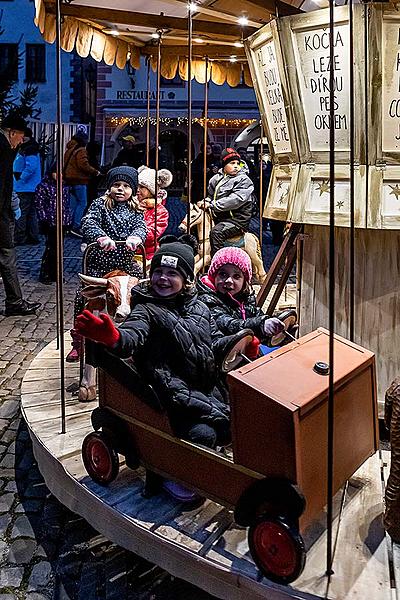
pixel 77 347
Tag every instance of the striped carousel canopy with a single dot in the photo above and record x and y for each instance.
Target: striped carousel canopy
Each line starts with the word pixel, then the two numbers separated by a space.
pixel 117 31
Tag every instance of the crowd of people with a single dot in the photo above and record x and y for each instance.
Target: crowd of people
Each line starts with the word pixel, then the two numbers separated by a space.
pixel 169 311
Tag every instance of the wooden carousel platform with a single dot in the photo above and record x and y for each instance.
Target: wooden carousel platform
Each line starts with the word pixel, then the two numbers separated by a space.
pixel 204 545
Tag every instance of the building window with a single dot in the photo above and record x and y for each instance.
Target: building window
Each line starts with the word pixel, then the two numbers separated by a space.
pixel 9 61
pixel 175 82
pixel 35 68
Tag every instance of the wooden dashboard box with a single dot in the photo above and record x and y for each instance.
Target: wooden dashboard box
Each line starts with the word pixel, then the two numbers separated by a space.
pixel 279 414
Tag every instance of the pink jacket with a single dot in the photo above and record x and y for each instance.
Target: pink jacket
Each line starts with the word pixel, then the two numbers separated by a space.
pixel 162 224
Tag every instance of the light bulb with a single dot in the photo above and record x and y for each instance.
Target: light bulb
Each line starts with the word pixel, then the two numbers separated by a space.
pixel 243 21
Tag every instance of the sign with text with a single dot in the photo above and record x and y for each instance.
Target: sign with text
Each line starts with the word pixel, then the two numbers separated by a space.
pixel 390 86
pixel 270 89
pixel 313 68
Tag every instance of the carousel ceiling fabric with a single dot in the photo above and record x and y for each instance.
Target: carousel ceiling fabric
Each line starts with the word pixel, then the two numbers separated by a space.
pixel 87 40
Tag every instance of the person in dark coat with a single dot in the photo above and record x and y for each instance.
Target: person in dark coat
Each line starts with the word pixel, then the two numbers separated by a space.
pixel 131 154
pixel 45 201
pixel 173 337
pixel 227 292
pixel 12 132
pixel 198 172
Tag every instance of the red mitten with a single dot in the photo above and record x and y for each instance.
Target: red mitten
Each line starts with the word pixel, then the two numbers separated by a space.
pixel 253 348
pixel 99 329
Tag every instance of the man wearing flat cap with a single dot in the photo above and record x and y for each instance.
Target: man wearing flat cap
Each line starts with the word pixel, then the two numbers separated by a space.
pixel 12 131
pixel 131 154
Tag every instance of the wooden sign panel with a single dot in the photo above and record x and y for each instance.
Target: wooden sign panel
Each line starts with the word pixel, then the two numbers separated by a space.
pixel 312 198
pixel 384 194
pixel 265 61
pixel 383 95
pixel 305 41
pixel 391 86
pixel 281 191
pixel 313 65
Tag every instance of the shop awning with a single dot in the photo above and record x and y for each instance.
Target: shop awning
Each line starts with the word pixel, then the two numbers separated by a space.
pixel 117 31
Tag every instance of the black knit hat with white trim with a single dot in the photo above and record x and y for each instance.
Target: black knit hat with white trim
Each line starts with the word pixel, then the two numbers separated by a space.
pixel 127 174
pixel 176 255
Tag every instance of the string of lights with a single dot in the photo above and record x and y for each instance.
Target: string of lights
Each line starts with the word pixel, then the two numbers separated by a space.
pixel 212 122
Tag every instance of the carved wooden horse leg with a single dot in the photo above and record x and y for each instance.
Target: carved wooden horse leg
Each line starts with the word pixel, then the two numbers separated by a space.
pixel 203 222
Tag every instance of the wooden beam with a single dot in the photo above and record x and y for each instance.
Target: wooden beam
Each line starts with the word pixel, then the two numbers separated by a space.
pixel 212 12
pixel 124 17
pixel 212 51
pixel 276 7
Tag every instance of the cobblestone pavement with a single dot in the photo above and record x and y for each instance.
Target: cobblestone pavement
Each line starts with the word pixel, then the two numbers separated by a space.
pixel 46 551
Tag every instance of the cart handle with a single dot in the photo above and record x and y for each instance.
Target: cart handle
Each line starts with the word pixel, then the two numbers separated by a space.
pixel 139 250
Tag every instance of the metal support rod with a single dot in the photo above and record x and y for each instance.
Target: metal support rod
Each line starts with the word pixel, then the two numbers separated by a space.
pixel 103 140
pixel 330 465
pixel 225 136
pixel 157 136
pixel 189 116
pixel 205 141
pixel 148 114
pixel 261 204
pixel 351 134
pixel 59 217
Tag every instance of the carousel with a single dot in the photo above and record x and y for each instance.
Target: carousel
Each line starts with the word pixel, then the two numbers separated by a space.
pixel 293 508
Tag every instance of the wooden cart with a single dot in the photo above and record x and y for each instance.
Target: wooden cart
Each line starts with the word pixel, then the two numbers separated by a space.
pixel 279 429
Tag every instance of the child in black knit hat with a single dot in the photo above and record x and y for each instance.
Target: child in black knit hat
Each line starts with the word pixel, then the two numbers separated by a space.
pixel 172 337
pixel 115 216
pixel 112 217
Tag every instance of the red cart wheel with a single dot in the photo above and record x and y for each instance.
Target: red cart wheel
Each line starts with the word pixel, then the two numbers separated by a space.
pixel 99 457
pixel 277 549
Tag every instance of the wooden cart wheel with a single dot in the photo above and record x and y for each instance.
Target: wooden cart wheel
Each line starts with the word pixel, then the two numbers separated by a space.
pixel 277 549
pixel 100 458
pixel 270 497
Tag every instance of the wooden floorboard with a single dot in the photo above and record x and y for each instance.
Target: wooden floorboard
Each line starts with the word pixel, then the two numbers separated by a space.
pixel 203 544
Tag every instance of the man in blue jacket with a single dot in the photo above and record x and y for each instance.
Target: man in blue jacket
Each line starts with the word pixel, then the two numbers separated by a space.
pixel 27 175
pixel 12 130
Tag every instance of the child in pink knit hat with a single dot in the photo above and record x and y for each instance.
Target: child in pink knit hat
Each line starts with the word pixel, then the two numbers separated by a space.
pixel 226 290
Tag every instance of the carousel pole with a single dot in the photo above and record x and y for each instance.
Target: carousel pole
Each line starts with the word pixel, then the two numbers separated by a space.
pixel 148 114
pixel 103 141
pixel 261 204
pixel 351 134
pixel 331 295
pixel 205 140
pixel 157 132
pixel 59 218
pixel 189 115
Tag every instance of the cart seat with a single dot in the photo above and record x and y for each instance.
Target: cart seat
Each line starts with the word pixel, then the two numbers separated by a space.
pixel 126 373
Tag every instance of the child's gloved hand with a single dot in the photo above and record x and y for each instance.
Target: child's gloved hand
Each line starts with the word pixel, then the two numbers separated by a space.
pixel 106 243
pixel 99 329
pixel 17 213
pixel 133 242
pixel 253 348
pixel 273 326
